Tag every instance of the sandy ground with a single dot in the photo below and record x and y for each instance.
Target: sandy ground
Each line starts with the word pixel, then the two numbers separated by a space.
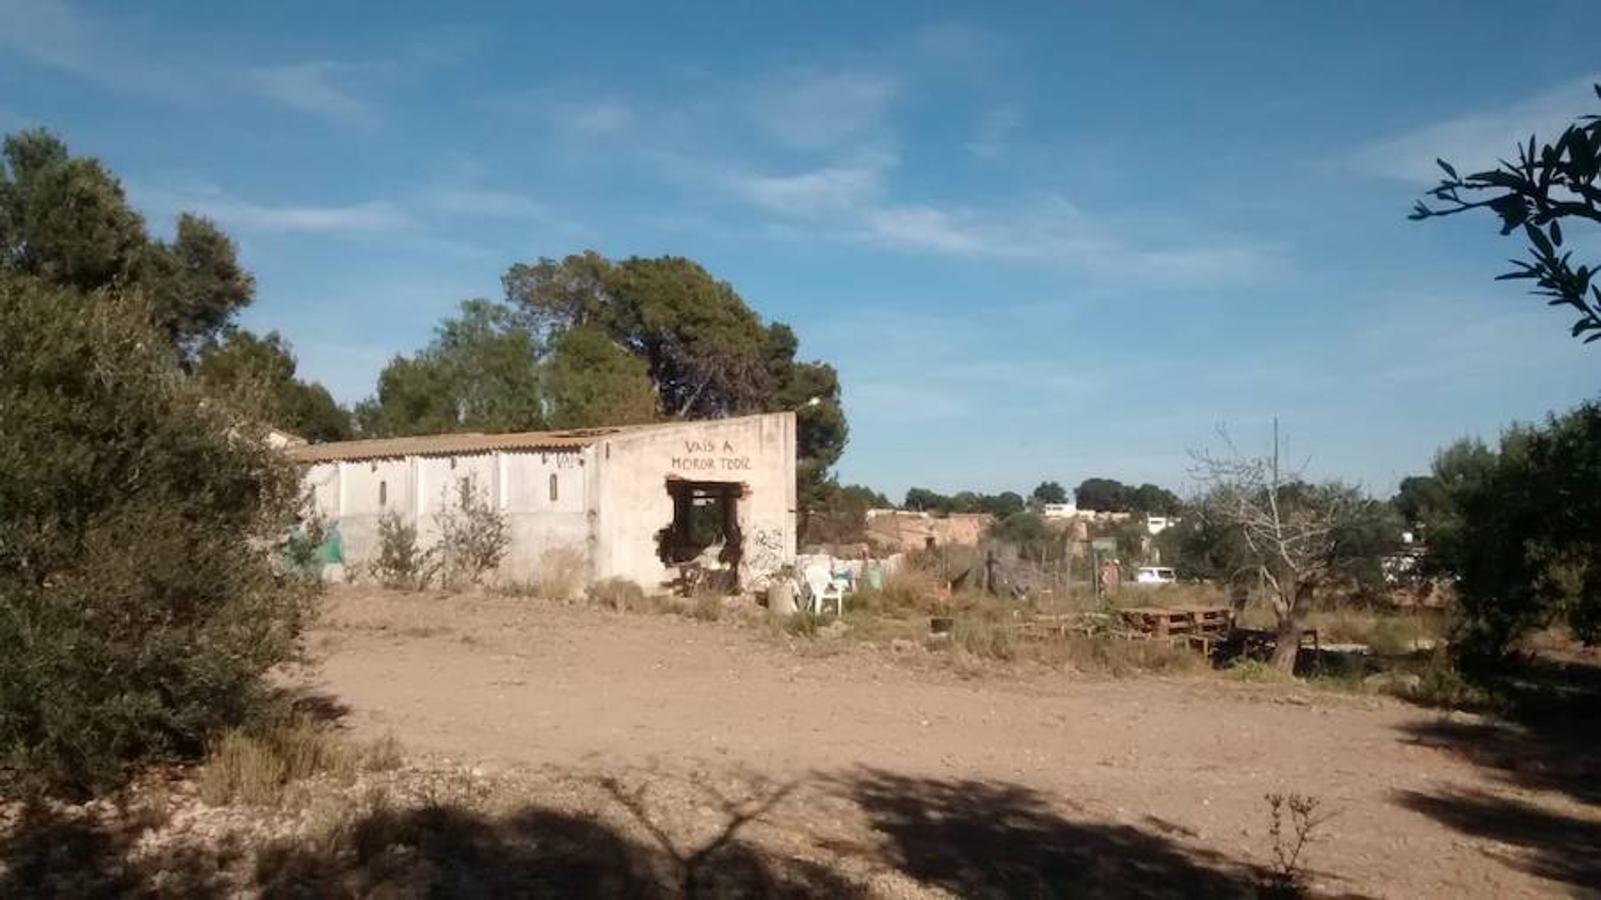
pixel 893 764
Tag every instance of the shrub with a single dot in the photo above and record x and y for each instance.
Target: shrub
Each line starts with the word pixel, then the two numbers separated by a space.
pixel 1392 636
pixel 617 593
pixel 1289 836
pixel 985 637
pixel 473 536
pixel 908 590
pixel 804 624
pixel 400 564
pixel 255 766
pixel 141 531
pixel 708 607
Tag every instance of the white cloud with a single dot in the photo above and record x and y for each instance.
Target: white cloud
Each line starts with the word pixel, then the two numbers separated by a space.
pixel 485 203
pixel 995 131
pixel 316 88
pixel 925 228
pixel 833 188
pixel 599 118
pixel 818 111
pixel 1474 141
pixel 1057 233
pixel 52 32
pixel 246 215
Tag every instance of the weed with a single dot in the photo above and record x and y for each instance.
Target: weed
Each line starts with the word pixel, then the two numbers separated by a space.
pixel 803 624
pixel 254 767
pixel 1393 636
pixel 1258 671
pixel 617 594
pixel 985 637
pixel 401 564
pixel 707 608
pixel 562 572
pixel 1290 839
pixel 473 536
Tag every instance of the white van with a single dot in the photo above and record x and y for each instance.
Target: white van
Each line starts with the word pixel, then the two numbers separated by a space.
pixel 1155 575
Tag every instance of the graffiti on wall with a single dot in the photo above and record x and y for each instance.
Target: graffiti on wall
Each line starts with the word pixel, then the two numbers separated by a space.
pixel 710 456
pixel 764 552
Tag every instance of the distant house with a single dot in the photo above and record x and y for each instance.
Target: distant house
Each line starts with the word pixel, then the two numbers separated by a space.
pixel 900 530
pixel 632 502
pixel 1059 510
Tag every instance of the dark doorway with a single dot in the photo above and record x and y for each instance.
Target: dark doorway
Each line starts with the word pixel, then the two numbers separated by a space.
pixel 705 518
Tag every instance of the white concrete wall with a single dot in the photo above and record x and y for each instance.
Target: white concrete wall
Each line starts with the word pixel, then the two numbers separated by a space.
pixel 419 487
pixel 632 504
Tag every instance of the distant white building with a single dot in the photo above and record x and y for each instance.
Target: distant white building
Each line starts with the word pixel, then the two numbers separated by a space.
pixel 1059 510
pixel 1155 525
pixel 632 502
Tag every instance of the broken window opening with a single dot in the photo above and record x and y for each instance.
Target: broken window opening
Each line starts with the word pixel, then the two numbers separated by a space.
pixel 703 541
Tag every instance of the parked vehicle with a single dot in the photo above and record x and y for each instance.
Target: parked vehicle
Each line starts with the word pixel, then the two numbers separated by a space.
pixel 1155 575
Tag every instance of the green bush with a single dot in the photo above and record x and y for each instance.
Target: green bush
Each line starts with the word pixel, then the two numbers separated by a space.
pixel 473 536
pixel 400 563
pixel 142 536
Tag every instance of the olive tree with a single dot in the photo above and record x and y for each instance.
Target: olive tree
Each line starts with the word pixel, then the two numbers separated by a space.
pixel 1548 184
pixel 1294 536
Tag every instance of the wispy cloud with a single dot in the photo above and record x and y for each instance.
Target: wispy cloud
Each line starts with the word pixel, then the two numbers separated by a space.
pixel 811 111
pixel 247 215
pixel 52 32
pixel 1474 141
pixel 995 131
pixel 846 185
pixel 1054 232
pixel 320 88
pixel 597 118
pixel 485 203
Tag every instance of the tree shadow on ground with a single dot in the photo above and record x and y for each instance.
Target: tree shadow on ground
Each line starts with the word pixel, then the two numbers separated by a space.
pixel 1560 847
pixel 1558 758
pixel 436 850
pixel 971 838
pixel 444 851
pixel 1546 743
pixel 989 839
pixel 51 853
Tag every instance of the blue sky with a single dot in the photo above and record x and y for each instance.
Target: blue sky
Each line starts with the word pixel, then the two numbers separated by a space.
pixel 1052 240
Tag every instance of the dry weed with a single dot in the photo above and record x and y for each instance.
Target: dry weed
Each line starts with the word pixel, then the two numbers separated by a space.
pixel 562 573
pixel 256 767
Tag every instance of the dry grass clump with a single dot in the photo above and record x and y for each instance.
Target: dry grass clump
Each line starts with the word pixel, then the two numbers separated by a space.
pixel 255 767
pixel 562 573
pixel 707 607
pixel 618 594
pixel 988 636
pixel 909 590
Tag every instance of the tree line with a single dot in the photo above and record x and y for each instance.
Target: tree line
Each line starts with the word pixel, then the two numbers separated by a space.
pixel 1092 494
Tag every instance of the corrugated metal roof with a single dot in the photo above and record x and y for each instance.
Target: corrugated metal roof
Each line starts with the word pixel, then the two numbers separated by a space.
pixel 452 444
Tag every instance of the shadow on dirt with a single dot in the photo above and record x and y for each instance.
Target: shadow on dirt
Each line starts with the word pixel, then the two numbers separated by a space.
pixel 971 838
pixel 988 839
pixel 1559 847
pixel 1545 743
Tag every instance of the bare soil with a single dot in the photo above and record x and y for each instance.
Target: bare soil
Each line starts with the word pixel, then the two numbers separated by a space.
pixel 903 774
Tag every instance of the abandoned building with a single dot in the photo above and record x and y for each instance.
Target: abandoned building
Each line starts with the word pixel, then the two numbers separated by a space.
pixel 646 502
pixel 900 530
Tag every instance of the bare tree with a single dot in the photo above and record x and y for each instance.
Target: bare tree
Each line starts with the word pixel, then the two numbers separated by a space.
pixel 1296 536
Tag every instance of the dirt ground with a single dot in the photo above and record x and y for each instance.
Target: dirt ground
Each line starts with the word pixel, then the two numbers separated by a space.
pixel 906 775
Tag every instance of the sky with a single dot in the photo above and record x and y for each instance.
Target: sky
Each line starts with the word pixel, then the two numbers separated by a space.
pixel 1039 241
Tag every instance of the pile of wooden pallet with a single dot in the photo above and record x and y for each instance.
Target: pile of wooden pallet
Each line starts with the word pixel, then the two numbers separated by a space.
pixel 1201 626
